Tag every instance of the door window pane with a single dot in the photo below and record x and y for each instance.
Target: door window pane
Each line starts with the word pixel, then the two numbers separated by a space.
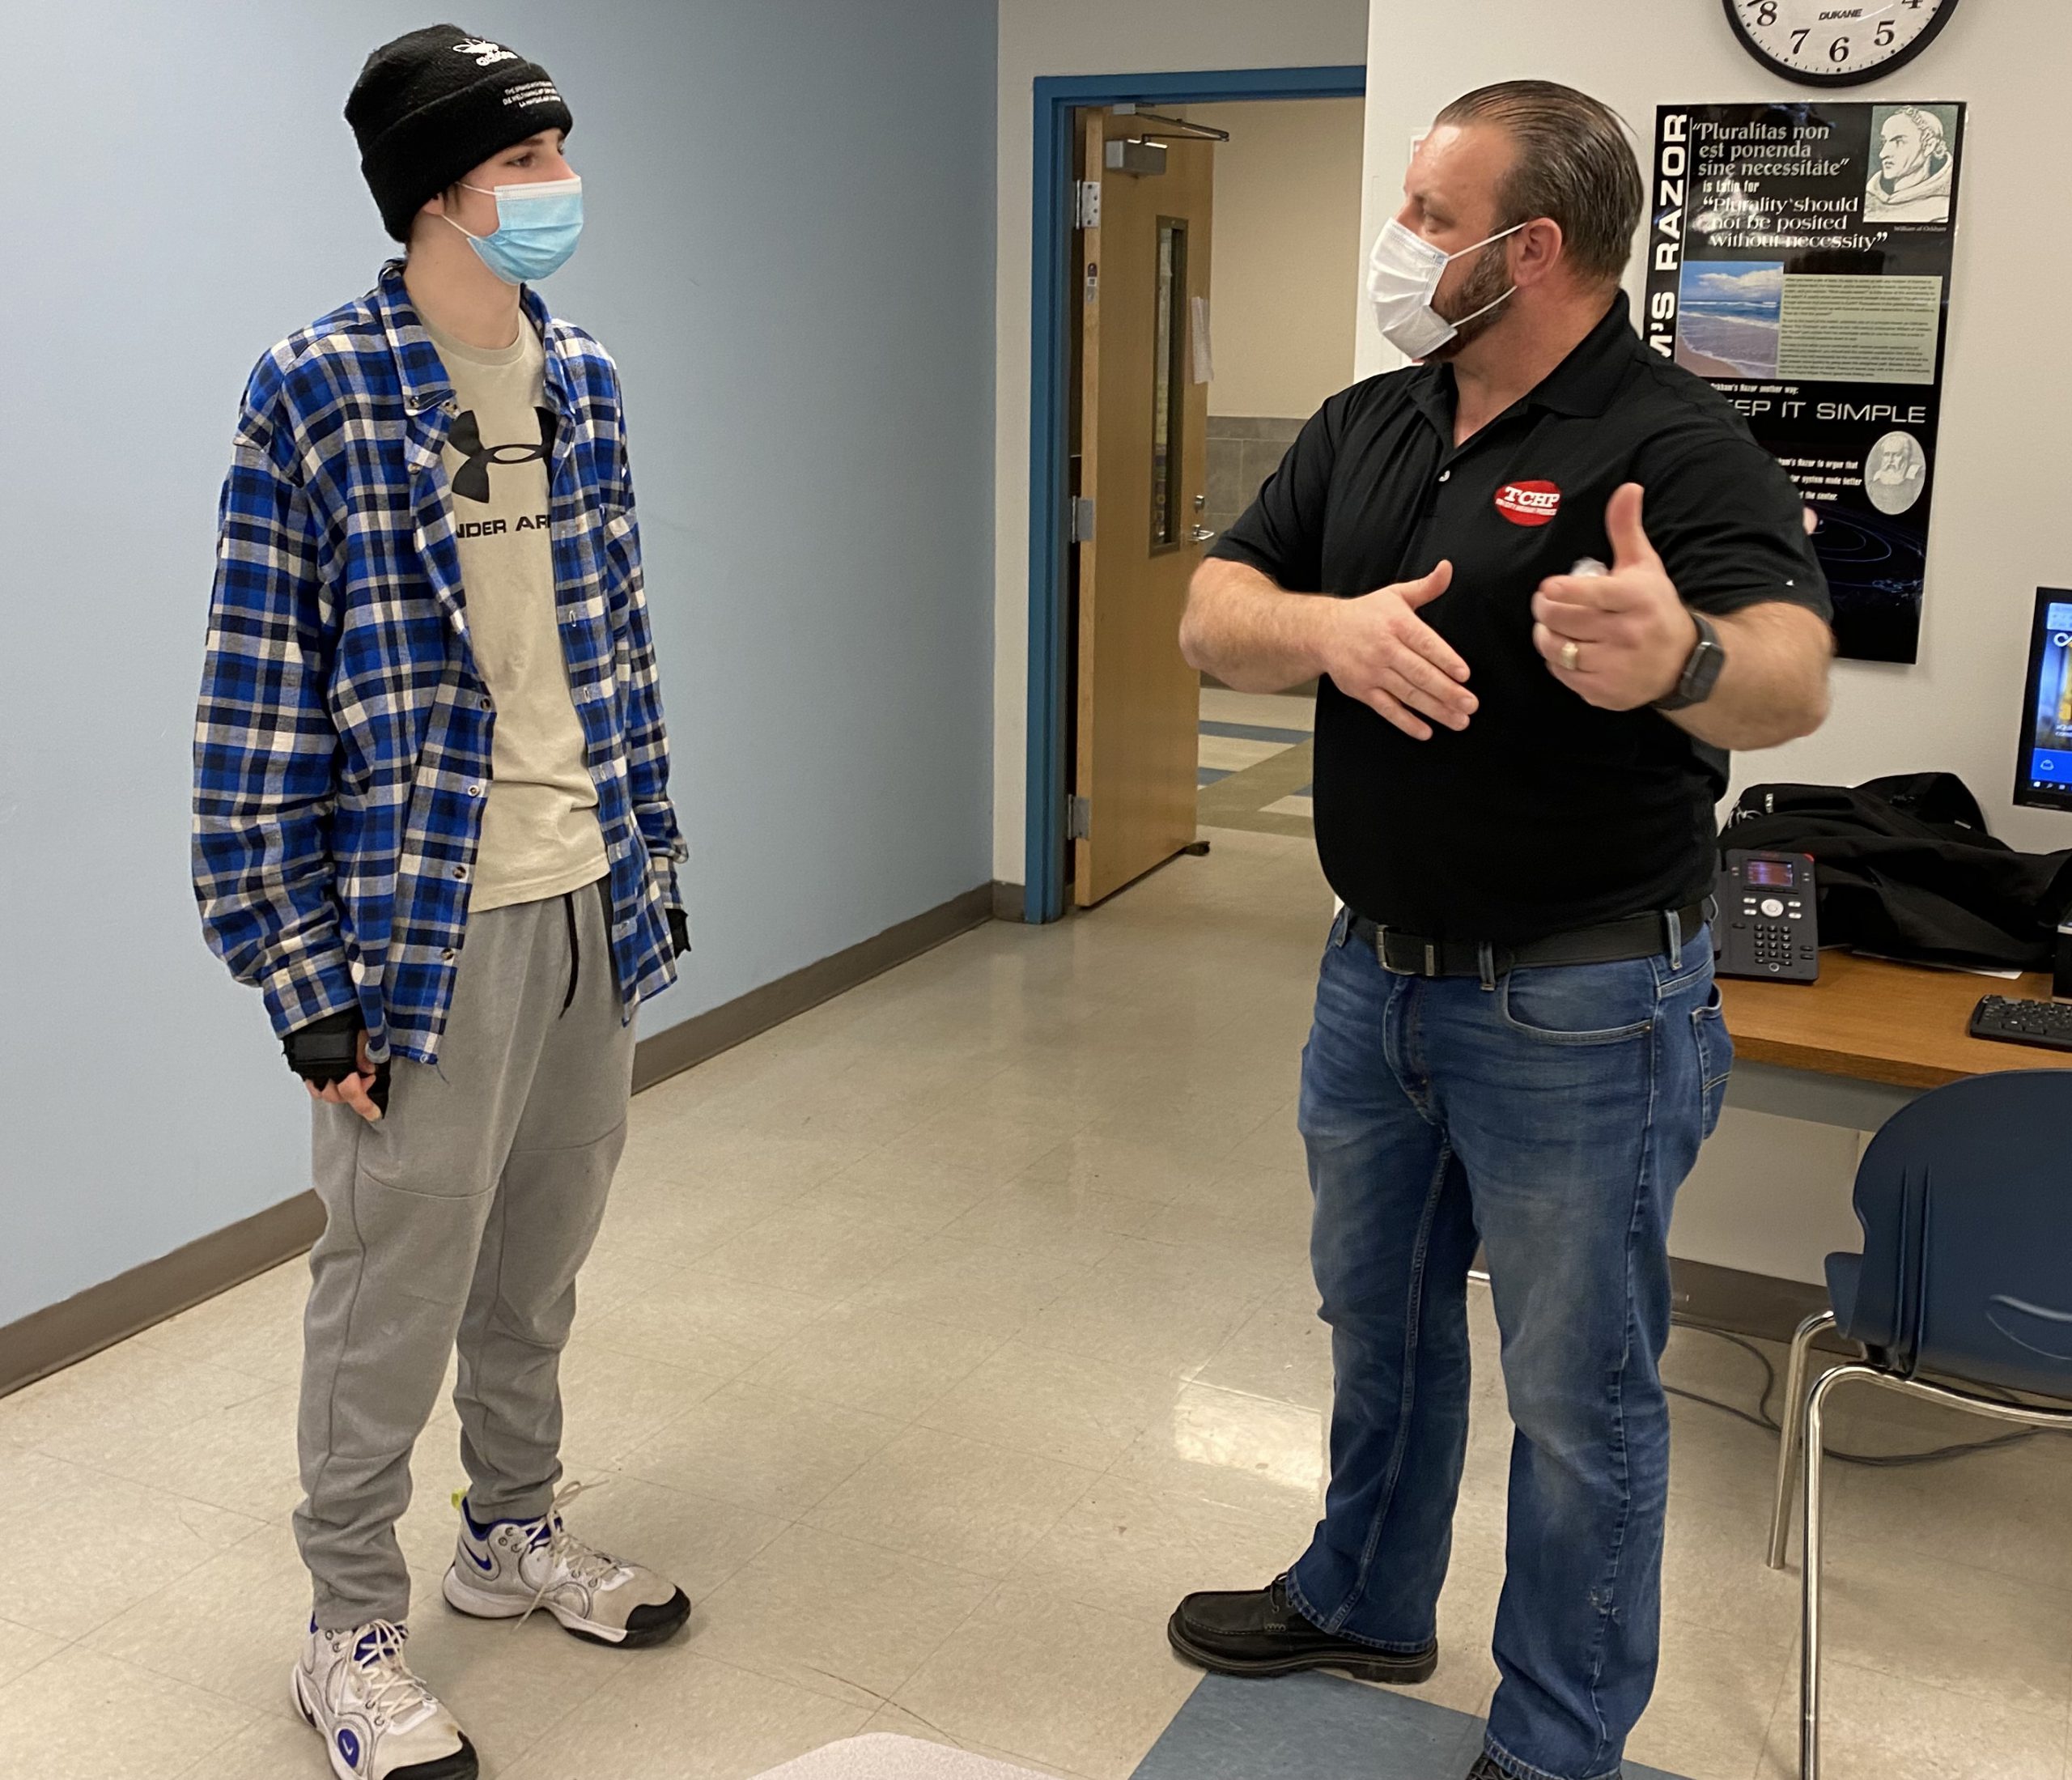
pixel 1168 384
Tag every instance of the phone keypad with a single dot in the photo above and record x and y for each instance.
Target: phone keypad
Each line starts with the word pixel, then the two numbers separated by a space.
pixel 1774 922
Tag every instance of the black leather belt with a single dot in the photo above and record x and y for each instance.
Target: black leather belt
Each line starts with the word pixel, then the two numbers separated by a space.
pixel 1638 936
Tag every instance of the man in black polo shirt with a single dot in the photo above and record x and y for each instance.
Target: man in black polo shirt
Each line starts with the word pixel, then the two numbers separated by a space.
pixel 1516 1040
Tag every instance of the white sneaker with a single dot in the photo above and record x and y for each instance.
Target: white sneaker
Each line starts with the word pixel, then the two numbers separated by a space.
pixel 379 1722
pixel 505 1569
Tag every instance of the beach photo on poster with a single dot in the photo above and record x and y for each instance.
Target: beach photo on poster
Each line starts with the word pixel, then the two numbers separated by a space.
pixel 1730 314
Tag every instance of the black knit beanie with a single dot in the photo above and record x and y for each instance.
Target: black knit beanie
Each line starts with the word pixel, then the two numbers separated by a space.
pixel 432 104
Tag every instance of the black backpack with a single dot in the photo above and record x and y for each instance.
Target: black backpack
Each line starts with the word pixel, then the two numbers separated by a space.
pixel 1907 870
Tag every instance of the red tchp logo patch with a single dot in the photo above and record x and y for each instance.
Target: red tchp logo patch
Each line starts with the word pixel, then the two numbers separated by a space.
pixel 1528 504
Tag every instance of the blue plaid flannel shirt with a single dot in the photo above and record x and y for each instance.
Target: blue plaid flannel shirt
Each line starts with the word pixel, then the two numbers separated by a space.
pixel 341 748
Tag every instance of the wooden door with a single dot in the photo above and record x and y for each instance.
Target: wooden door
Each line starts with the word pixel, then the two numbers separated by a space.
pixel 1143 459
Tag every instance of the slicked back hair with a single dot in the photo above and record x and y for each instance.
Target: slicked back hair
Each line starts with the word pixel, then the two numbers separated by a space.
pixel 1575 165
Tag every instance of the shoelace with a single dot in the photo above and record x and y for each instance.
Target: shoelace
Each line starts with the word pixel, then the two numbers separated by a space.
pixel 582 1563
pixel 391 1693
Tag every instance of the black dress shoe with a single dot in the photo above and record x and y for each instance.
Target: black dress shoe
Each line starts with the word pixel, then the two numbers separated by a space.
pixel 1260 1633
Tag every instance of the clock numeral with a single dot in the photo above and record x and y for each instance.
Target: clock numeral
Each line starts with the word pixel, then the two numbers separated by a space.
pixel 1875 35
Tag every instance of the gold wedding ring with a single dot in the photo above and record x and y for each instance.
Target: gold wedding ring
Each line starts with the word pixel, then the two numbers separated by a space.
pixel 1572 656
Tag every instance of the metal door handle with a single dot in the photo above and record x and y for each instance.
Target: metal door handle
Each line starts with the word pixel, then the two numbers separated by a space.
pixel 1201 534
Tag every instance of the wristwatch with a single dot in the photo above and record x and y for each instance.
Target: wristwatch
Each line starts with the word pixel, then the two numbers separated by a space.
pixel 1701 670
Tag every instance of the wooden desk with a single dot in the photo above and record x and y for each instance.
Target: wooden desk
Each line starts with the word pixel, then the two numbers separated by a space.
pixel 1853 1048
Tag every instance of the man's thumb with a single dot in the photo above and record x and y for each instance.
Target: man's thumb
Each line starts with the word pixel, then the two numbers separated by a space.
pixel 1423 591
pixel 1622 523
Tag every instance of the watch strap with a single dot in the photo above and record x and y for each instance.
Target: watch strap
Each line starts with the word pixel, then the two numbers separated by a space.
pixel 1701 669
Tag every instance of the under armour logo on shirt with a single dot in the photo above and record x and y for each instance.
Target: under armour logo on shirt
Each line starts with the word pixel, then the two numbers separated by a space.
pixel 471 480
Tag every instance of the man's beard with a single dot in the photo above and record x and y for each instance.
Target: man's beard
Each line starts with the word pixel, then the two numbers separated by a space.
pixel 1483 286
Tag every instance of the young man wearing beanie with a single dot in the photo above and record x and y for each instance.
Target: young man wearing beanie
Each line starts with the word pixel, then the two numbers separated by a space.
pixel 432 823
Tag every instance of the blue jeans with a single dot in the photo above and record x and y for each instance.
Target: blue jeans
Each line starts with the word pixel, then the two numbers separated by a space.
pixel 1550 1118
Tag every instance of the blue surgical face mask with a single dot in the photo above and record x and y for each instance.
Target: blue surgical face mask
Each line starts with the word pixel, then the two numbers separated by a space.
pixel 538 225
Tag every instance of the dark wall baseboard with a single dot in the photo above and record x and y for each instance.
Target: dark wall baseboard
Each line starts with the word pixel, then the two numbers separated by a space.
pixel 705 1035
pixel 48 1339
pixel 1725 1298
pixel 1010 902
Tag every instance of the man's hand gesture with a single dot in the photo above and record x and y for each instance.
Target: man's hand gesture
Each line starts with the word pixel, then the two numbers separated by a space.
pixel 1618 641
pixel 1381 653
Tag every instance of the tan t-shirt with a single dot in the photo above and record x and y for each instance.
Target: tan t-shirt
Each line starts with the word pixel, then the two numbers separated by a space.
pixel 540 836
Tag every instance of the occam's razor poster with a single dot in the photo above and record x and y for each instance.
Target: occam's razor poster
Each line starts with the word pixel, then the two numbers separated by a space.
pixel 1798 259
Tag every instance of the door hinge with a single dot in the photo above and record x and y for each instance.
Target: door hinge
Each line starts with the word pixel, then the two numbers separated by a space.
pixel 1079 518
pixel 1086 207
pixel 1079 818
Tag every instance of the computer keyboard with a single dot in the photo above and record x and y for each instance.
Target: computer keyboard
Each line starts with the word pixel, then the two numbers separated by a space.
pixel 2045 1023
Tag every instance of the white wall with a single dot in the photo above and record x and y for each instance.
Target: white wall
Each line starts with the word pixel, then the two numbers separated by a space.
pixel 1771 1194
pixel 1283 285
pixel 1082 37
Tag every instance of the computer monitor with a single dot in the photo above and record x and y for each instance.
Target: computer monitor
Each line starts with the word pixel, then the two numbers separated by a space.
pixel 2043 777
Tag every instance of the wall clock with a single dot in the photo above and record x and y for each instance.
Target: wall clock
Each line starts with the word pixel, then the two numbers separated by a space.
pixel 1836 43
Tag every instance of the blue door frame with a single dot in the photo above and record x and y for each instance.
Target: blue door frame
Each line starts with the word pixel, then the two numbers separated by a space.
pixel 1057 97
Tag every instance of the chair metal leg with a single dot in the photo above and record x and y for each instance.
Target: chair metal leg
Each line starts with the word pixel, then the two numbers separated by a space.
pixel 2026 1415
pixel 1809 1654
pixel 1790 1422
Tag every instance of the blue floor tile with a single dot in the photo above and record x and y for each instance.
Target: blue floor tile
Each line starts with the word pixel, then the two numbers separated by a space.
pixel 1318 1728
pixel 1253 732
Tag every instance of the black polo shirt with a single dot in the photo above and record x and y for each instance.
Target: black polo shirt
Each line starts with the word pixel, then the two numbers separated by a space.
pixel 1545 814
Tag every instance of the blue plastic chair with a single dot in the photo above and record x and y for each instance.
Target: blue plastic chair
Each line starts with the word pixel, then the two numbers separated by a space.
pixel 1965 1198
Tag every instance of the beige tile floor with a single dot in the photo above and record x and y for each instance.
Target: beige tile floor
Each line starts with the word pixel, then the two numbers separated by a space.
pixel 936 1342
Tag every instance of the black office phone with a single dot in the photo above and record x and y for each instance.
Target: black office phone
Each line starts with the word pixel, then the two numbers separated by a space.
pixel 1766 927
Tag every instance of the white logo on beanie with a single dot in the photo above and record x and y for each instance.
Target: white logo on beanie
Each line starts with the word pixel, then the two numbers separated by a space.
pixel 533 92
pixel 487 54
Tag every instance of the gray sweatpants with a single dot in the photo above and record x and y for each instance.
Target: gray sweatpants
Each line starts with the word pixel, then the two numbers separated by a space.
pixel 465 1214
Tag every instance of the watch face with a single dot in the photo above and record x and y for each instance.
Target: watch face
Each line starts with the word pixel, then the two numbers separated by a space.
pixel 1703 672
pixel 1822 43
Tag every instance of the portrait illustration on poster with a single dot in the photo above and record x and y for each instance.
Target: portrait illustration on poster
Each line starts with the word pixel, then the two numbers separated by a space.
pixel 1914 167
pixel 1798 259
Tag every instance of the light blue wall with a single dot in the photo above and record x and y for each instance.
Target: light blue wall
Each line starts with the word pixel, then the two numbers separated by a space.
pixel 790 250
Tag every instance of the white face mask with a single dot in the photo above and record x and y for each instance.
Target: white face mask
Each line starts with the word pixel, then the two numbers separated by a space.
pixel 1403 276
